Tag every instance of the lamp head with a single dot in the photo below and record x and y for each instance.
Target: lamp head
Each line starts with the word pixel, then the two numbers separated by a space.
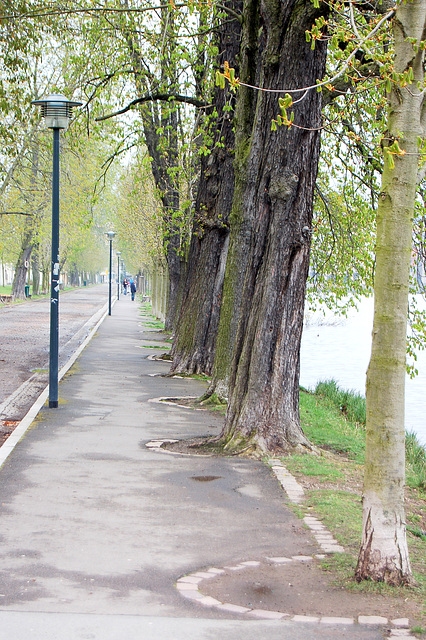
pixel 56 110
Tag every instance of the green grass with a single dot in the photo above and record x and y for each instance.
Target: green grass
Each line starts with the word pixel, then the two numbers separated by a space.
pixel 325 426
pixel 156 324
pixel 415 462
pixel 146 307
pixel 6 291
pixel 333 488
pixel 315 467
pixel 155 346
pixel 351 405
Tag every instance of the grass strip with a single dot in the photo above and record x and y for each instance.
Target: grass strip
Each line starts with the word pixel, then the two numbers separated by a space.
pixel 333 487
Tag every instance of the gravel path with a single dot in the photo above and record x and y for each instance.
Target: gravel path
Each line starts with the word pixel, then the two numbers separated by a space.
pixel 24 345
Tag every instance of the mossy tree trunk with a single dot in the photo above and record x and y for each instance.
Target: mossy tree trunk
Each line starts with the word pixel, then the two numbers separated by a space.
pixel 194 346
pixel 240 226
pixel 275 223
pixel 384 553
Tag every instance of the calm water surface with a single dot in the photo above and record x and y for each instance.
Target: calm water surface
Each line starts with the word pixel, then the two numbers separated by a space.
pixel 339 348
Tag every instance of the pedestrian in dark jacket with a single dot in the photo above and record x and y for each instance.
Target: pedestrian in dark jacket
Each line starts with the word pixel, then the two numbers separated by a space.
pixel 132 289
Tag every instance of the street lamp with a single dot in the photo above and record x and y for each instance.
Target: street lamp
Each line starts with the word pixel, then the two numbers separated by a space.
pixel 110 236
pixel 57 112
pixel 118 274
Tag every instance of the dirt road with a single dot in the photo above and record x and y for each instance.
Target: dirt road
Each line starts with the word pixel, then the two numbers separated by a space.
pixel 24 345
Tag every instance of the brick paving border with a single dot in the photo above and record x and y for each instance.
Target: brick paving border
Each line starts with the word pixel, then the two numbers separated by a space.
pixel 189 585
pixel 296 495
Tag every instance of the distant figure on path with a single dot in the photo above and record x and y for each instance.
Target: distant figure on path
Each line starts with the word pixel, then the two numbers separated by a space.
pixel 132 289
pixel 125 283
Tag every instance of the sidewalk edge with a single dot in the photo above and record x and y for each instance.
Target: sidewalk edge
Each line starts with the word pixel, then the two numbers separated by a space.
pixel 8 446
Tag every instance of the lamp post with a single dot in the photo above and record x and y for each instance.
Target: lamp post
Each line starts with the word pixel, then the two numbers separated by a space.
pixel 110 236
pixel 118 274
pixel 57 112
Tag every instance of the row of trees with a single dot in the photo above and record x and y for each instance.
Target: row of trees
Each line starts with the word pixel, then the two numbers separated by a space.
pixel 40 57
pixel 234 169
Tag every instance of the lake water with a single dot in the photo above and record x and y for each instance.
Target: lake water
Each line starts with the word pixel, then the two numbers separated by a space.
pixel 340 348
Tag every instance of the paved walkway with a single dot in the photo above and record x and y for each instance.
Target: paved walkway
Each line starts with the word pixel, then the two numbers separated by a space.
pixel 24 346
pixel 99 532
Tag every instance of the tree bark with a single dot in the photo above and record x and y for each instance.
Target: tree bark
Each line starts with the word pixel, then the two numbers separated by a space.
pixel 35 270
pixel 31 222
pixel 274 226
pixel 21 269
pixel 163 148
pixel 74 275
pixel 239 239
pixel 384 552
pixel 194 346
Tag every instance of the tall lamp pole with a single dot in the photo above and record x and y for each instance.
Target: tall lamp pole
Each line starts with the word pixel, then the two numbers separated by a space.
pixel 118 253
pixel 57 112
pixel 110 236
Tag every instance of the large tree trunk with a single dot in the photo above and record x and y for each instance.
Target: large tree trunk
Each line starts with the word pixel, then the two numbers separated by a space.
pixel 240 229
pixel 194 346
pixel 384 553
pixel 275 225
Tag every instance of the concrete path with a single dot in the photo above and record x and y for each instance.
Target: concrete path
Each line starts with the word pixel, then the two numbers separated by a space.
pixel 96 529
pixel 24 343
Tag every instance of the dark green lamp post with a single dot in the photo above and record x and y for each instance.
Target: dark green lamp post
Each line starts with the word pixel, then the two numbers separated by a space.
pixel 57 112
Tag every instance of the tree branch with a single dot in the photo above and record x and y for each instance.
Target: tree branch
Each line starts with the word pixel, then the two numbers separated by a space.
pixel 166 97
pixel 342 86
pixel 15 213
pixel 230 12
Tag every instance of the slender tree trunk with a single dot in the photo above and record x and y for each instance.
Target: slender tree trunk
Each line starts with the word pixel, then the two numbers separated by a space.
pixel 160 124
pixel 21 269
pixel 23 263
pixel 194 346
pixel 45 279
pixel 384 552
pixel 74 276
pixel 35 268
pixel 274 223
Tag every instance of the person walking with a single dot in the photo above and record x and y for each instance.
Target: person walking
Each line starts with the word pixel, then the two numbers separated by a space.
pixel 132 288
pixel 125 283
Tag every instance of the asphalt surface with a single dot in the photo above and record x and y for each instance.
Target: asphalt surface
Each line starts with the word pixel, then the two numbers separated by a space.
pixel 96 528
pixel 24 343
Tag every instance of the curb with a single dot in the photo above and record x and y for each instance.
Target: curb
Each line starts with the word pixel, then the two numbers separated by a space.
pixel 189 587
pixel 18 433
pixel 296 495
